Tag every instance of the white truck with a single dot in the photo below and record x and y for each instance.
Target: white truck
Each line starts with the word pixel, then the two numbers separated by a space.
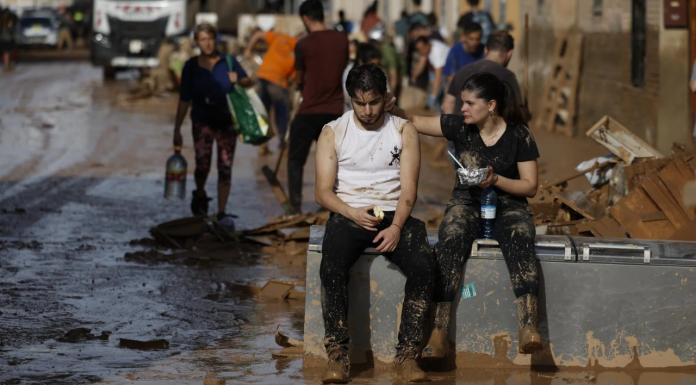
pixel 128 33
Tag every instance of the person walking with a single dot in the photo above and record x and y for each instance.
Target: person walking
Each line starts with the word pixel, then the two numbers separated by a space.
pixel 433 56
pixel 205 83
pixel 498 52
pixel 490 134
pixel 8 27
pixel 468 50
pixel 479 16
pixel 320 59
pixel 274 75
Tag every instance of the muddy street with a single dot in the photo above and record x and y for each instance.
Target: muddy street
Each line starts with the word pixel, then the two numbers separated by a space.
pixel 81 182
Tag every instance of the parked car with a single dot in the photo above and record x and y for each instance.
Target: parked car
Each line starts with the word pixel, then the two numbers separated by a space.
pixel 38 28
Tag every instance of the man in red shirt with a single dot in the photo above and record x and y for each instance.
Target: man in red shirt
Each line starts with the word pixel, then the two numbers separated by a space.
pixel 320 59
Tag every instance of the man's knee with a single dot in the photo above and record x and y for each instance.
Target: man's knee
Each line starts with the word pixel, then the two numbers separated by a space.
pixel 331 273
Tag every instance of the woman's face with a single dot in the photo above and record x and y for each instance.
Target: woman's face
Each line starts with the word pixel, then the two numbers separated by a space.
pixel 206 42
pixel 475 109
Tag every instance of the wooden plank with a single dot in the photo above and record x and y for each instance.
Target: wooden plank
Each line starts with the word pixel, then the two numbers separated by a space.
pixel 685 169
pixel 276 290
pixel 573 71
pixel 550 84
pixel 620 141
pixel 686 233
pixel 628 210
pixel 690 194
pixel 579 202
pixel 613 228
pixel 656 216
pixel 674 181
pixel 637 172
pixel 672 210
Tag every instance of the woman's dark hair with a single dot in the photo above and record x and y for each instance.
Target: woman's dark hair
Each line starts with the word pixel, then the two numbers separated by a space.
pixel 366 78
pixel 367 52
pixel 488 87
pixel 313 9
pixel 473 3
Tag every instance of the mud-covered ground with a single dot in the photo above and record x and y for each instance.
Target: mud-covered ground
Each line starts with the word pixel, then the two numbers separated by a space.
pixel 81 178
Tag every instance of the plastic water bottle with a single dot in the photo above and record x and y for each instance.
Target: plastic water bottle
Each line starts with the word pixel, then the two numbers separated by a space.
pixel 175 177
pixel 489 200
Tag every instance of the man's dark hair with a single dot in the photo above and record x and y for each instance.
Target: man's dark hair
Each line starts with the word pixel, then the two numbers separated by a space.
pixel 500 41
pixel 471 26
pixel 366 78
pixel 367 52
pixel 416 3
pixel 423 39
pixel 313 9
pixel 473 3
pixel 416 26
pixel 404 14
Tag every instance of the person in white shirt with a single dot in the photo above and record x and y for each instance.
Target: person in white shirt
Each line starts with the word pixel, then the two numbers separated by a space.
pixel 368 162
pixel 435 53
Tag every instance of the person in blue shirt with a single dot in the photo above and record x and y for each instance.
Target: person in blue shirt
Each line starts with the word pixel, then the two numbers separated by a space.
pixel 205 82
pixel 467 51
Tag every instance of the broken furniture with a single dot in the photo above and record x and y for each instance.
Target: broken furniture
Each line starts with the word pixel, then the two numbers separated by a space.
pixel 602 301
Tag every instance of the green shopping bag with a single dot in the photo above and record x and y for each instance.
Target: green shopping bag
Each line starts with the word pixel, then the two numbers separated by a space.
pixel 250 120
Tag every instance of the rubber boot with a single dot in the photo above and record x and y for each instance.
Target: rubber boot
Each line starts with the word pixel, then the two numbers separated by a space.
pixel 199 204
pixel 407 370
pixel 337 367
pixel 530 339
pixel 438 344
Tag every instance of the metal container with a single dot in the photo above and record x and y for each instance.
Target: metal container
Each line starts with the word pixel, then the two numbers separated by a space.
pixel 175 177
pixel 623 304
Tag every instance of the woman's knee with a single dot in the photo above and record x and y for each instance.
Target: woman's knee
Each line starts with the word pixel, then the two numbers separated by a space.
pixel 332 273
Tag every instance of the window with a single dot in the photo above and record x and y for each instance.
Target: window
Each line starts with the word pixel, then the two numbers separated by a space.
pixel 638 38
pixel 597 7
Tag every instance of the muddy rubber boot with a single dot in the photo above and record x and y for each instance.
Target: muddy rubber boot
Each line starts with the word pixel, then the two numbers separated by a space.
pixel 438 344
pixel 530 339
pixel 199 204
pixel 406 369
pixel 337 368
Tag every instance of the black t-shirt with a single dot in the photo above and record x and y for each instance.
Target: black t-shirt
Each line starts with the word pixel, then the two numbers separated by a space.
pixel 515 145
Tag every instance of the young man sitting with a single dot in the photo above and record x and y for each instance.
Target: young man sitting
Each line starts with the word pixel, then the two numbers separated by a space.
pixel 368 161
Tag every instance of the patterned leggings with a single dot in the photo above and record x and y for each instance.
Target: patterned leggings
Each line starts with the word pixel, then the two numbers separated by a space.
pixel 203 138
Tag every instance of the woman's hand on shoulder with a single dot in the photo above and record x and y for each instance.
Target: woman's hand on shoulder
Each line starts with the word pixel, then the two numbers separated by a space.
pixel 233 77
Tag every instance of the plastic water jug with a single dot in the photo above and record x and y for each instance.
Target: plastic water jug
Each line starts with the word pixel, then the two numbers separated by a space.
pixel 175 178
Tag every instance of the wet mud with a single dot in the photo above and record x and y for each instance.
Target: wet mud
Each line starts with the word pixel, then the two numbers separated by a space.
pixel 80 273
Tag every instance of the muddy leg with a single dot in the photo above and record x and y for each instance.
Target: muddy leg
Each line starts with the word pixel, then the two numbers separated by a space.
pixel 515 232
pixel 458 230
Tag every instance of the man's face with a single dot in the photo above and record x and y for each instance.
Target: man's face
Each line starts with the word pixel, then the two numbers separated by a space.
pixel 423 48
pixel 368 107
pixel 472 41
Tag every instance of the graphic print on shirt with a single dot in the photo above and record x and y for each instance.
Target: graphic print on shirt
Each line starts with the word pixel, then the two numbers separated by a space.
pixel 396 156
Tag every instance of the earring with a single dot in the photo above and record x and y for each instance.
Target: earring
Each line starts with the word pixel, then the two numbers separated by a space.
pixel 490 113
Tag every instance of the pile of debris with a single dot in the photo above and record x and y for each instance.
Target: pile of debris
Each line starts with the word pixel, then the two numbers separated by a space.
pixel 637 192
pixel 201 238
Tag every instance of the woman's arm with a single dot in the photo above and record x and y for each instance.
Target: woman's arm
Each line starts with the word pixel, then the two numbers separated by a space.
pixel 181 111
pixel 426 125
pixel 526 186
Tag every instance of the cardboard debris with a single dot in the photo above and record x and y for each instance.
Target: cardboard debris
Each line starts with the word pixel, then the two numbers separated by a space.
pixel 284 341
pixel 649 196
pixel 276 290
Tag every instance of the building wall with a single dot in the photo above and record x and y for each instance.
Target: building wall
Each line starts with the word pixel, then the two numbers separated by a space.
pixel 658 111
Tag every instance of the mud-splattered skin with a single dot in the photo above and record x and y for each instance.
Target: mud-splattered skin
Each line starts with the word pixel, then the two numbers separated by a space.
pixel 514 229
pixel 344 242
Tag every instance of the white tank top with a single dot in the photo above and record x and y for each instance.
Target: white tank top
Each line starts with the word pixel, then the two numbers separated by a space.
pixel 369 169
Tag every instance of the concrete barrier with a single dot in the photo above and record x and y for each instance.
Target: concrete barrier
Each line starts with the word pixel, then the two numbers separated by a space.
pixel 607 303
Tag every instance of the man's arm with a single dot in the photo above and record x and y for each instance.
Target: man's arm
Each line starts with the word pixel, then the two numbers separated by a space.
pixel 692 85
pixel 419 68
pixel 437 80
pixel 255 39
pixel 448 104
pixel 327 166
pixel 410 169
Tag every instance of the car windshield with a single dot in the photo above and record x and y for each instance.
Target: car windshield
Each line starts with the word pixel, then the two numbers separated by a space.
pixel 35 22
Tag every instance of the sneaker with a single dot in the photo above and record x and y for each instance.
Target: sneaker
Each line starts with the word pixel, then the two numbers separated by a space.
pixel 199 204
pixel 226 221
pixel 337 368
pixel 407 370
